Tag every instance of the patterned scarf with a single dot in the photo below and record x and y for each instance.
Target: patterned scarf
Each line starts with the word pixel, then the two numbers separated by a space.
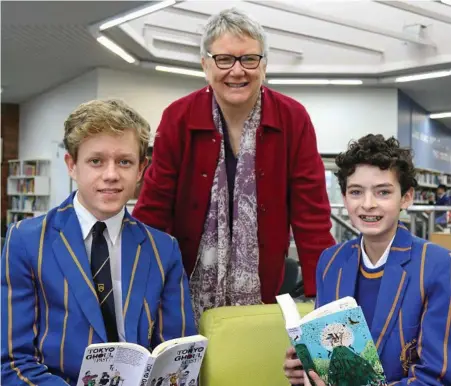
pixel 226 271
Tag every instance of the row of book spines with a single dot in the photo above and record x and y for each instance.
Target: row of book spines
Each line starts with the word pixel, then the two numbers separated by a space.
pixel 27 170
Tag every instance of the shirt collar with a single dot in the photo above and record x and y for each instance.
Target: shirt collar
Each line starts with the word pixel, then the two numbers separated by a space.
pixel 87 221
pixel 366 260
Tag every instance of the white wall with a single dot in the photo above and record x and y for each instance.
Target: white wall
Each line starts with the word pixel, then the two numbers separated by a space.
pixel 338 114
pixel 341 114
pixel 41 120
pixel 149 93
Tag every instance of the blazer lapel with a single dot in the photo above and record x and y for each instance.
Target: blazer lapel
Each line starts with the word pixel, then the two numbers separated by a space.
pixel 347 276
pixel 134 275
pixel 70 253
pixel 393 285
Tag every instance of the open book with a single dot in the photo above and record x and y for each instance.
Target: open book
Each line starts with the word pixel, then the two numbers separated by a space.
pixel 175 362
pixel 334 341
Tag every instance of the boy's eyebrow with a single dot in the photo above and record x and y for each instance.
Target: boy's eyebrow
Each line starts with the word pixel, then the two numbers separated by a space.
pixel 100 154
pixel 384 185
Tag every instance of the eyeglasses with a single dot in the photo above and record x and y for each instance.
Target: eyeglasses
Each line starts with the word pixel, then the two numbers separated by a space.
pixel 226 61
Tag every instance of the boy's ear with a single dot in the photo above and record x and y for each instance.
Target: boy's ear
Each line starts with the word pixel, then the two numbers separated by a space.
pixel 407 199
pixel 142 168
pixel 70 163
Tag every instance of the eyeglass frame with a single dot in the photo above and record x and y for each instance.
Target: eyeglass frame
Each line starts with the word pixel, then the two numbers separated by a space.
pixel 236 58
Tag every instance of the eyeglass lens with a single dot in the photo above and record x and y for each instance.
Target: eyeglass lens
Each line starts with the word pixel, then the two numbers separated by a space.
pixel 247 61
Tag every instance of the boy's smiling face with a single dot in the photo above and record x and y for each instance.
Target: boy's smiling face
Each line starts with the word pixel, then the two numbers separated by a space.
pixel 373 199
pixel 106 171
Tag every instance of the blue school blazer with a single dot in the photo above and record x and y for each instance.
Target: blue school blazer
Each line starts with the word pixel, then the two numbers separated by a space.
pixel 50 310
pixel 412 320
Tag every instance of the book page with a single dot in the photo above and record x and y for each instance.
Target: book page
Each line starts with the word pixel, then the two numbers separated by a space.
pixel 178 365
pixel 172 342
pixel 113 364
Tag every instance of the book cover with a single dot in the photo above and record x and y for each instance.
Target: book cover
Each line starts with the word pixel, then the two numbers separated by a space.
pixel 336 343
pixel 175 362
pixel 178 365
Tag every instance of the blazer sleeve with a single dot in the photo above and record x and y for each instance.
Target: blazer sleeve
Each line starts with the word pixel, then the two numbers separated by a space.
pixel 155 205
pixel 175 317
pixel 19 354
pixel 319 281
pixel 434 346
pixel 309 204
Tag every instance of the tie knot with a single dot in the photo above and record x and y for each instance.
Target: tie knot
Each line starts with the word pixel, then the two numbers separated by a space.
pixel 98 228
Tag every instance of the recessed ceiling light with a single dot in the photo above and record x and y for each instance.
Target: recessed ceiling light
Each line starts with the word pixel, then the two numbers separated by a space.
pixel 446 114
pixel 335 82
pixel 427 75
pixel 116 49
pixel 135 14
pixel 179 70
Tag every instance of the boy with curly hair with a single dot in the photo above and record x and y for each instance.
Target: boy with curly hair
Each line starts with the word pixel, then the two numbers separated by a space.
pixel 402 282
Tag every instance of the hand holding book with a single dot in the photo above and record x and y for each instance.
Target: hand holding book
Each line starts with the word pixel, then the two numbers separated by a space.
pixel 292 367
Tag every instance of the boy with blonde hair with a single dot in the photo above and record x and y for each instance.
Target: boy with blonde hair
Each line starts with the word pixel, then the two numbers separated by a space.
pixel 87 272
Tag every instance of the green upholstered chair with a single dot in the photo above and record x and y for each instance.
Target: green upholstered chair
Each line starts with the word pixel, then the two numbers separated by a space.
pixel 246 345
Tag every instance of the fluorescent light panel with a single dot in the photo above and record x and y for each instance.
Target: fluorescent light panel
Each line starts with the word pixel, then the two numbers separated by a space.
pixel 139 13
pixel 427 75
pixel 440 115
pixel 182 71
pixel 116 49
pixel 176 40
pixel 335 82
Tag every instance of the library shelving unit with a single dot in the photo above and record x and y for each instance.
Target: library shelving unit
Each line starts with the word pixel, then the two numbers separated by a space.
pixel 428 181
pixel 28 188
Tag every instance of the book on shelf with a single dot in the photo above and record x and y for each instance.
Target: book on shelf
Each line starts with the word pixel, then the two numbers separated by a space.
pixel 334 341
pixel 175 362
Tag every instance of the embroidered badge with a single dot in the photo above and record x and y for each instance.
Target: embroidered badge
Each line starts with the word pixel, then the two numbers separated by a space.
pixel 409 356
pixel 100 287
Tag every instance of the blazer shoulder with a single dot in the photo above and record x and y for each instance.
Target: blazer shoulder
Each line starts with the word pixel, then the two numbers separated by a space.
pixel 161 238
pixel 26 234
pixel 434 252
pixel 439 256
pixel 344 246
pixel 30 227
pixel 337 252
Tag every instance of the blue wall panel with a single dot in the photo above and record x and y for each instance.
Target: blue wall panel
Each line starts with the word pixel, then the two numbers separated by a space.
pixel 429 139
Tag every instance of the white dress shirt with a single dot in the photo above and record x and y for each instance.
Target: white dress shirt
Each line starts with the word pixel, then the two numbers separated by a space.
pixel 112 235
pixel 366 260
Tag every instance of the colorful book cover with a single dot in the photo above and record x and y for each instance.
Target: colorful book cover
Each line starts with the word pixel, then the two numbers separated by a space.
pixel 339 347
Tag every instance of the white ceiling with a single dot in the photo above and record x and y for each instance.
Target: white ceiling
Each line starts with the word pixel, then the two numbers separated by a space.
pixel 47 43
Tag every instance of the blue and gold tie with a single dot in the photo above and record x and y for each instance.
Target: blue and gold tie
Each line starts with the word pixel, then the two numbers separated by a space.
pixel 101 274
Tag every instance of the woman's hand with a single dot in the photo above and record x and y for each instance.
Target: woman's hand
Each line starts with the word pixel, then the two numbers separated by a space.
pixel 292 368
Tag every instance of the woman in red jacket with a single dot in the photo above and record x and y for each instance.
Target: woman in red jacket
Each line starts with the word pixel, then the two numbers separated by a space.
pixel 234 164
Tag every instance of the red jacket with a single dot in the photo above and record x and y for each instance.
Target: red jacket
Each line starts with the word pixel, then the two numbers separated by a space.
pixel 290 175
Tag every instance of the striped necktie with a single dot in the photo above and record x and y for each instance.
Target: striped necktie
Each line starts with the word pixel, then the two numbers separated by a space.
pixel 101 274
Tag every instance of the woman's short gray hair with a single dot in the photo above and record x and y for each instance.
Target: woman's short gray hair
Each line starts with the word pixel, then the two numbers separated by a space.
pixel 235 22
